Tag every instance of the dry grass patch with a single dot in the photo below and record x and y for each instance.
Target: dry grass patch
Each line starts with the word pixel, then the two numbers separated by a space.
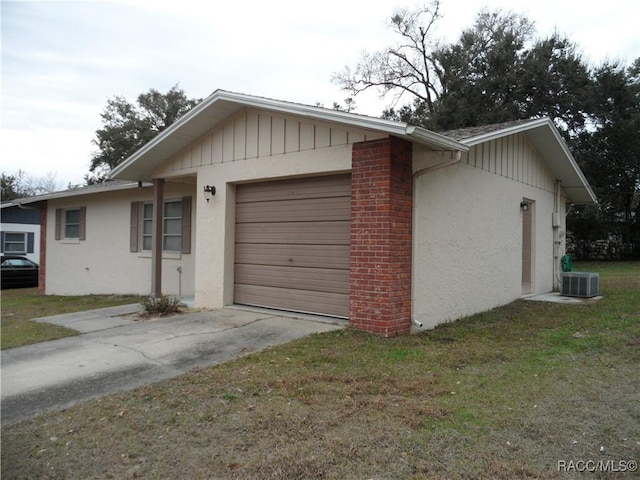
pixel 503 394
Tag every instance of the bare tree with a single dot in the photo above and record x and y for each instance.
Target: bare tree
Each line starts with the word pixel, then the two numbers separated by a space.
pixel 21 184
pixel 409 67
pixel 39 185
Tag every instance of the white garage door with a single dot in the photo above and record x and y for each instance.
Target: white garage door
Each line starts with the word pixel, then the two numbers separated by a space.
pixel 292 245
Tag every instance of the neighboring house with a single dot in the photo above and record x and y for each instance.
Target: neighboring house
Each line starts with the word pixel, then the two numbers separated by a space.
pixel 280 205
pixel 20 231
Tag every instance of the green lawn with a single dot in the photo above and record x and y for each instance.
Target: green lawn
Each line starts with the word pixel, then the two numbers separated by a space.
pixel 510 393
pixel 21 305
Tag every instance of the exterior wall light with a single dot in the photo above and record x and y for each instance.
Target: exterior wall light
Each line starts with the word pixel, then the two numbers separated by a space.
pixel 524 206
pixel 209 191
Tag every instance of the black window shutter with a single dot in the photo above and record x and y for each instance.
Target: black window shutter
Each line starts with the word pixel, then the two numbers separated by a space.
pixel 1 242
pixel 31 237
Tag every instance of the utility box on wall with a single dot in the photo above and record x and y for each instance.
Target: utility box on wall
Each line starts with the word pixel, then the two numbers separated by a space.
pixel 580 284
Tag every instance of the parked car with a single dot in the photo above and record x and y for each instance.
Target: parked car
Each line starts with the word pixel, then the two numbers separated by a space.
pixel 18 272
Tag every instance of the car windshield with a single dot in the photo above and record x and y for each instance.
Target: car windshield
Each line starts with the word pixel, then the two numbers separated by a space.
pixel 17 262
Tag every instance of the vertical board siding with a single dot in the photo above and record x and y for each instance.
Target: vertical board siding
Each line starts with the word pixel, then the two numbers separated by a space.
pixel 264 135
pixel 240 138
pixel 251 145
pixel 512 157
pixel 228 141
pixel 256 134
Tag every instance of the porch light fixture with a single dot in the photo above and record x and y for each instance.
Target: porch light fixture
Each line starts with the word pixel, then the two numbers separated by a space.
pixel 524 206
pixel 209 191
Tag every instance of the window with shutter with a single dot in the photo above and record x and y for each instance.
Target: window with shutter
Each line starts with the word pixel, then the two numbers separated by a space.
pixel 176 226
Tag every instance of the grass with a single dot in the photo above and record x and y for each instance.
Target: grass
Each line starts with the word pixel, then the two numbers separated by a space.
pixel 503 394
pixel 20 306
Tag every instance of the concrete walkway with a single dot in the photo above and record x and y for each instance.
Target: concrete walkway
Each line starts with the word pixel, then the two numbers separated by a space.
pixel 116 351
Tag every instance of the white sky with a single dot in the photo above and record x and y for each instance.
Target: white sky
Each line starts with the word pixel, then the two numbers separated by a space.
pixel 62 60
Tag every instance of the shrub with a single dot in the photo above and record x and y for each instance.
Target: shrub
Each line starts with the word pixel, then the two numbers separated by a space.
pixel 162 306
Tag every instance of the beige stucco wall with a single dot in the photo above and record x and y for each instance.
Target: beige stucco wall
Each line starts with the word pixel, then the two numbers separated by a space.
pixel 102 263
pixel 468 232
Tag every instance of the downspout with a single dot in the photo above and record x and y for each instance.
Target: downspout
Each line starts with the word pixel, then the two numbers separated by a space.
pixel 558 234
pixel 456 159
pixel 24 207
pixel 438 166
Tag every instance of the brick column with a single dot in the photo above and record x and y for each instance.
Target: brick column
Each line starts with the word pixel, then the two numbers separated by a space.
pixel 381 236
pixel 42 274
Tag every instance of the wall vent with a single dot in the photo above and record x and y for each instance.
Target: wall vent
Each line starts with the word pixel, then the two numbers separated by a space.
pixel 580 284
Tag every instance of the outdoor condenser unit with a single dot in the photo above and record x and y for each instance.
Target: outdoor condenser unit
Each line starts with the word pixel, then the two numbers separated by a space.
pixel 580 284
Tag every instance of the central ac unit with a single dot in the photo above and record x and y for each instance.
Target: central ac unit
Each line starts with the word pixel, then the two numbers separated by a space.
pixel 580 284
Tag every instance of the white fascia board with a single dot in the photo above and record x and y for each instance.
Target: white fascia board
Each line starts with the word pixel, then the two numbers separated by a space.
pixel 546 121
pixel 551 128
pixel 523 127
pixel 574 166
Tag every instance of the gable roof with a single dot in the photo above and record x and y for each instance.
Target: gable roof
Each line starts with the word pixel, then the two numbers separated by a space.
pixel 546 139
pixel 222 104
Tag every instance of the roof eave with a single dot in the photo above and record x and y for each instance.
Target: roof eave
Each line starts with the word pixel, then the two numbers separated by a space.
pixel 434 140
pixel 75 193
pixel 577 194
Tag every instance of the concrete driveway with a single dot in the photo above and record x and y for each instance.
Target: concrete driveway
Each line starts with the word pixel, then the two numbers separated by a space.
pixel 117 352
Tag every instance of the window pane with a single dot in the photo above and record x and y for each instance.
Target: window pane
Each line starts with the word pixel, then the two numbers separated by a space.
pixel 147 211
pixel 15 242
pixel 14 248
pixel 72 216
pixel 147 227
pixel 146 243
pixel 172 227
pixel 172 244
pixel 173 209
pixel 72 231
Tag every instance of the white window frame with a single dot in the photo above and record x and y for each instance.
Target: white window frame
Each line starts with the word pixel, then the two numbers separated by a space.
pixel 13 242
pixel 146 215
pixel 66 223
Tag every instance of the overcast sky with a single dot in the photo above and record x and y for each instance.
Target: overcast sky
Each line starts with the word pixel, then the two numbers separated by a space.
pixel 62 60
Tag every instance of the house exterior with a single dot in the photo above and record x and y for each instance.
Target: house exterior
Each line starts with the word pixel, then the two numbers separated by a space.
pixel 280 205
pixel 20 231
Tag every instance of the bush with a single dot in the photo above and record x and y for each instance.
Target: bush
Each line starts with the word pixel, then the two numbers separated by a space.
pixel 162 306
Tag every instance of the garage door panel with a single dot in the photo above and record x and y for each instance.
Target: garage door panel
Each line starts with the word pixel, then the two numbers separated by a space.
pixel 317 279
pixel 291 299
pixel 323 256
pixel 292 189
pixel 327 233
pixel 292 244
pixel 306 210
